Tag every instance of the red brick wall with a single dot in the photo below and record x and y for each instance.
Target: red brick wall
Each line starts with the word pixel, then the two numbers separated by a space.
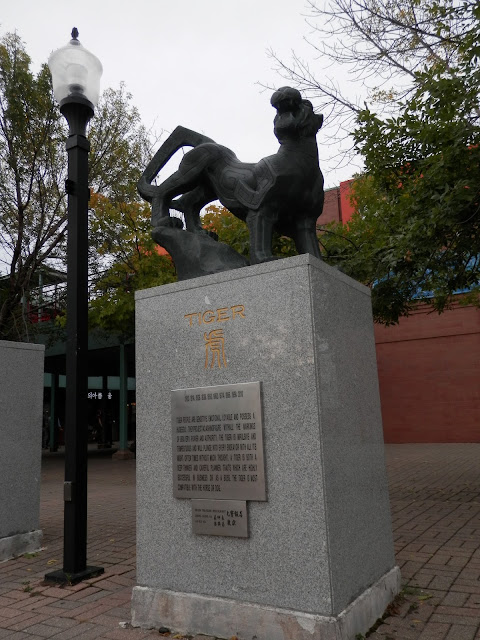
pixel 429 375
pixel 428 365
pixel 331 207
pixel 346 207
pixel 337 206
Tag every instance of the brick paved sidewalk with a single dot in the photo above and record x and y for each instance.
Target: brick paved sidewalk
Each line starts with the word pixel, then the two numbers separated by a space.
pixel 435 496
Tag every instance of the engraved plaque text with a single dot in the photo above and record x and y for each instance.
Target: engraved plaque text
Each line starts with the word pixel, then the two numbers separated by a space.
pixel 218 442
pixel 220 518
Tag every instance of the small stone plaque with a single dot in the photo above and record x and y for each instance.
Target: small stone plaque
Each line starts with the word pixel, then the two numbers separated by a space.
pixel 220 518
pixel 217 440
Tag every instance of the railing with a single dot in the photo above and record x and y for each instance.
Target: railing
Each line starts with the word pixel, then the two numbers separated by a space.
pixel 45 303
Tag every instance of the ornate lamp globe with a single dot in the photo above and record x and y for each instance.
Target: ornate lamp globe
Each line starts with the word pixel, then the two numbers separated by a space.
pixel 76 78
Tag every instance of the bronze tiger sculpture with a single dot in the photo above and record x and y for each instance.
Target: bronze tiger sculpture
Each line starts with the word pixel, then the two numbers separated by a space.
pixel 283 192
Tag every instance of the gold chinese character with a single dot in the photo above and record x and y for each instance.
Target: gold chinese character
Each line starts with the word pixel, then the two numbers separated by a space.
pixel 215 346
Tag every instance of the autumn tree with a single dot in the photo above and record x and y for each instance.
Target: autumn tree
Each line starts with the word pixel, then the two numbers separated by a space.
pixel 132 261
pixel 32 166
pixel 33 215
pixel 234 232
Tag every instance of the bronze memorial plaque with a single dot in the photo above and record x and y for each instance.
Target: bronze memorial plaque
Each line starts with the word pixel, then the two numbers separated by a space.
pixel 220 518
pixel 218 442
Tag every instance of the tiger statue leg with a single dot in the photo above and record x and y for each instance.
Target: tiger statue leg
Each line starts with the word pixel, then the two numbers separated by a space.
pixel 261 224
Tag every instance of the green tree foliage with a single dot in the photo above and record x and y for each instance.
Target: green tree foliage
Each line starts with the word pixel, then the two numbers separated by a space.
pixel 229 229
pixel 234 232
pixel 132 261
pixel 120 146
pixel 416 229
pixel 33 163
pixel 32 216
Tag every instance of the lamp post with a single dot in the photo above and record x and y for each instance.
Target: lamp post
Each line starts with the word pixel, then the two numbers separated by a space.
pixel 76 83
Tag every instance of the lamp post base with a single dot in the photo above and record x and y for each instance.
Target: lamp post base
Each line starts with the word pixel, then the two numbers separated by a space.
pixel 61 577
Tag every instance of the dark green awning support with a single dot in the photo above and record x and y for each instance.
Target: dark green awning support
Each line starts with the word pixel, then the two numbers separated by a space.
pixel 53 412
pixel 123 452
pixel 123 399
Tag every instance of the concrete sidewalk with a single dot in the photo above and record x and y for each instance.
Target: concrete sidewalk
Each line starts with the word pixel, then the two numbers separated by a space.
pixel 435 498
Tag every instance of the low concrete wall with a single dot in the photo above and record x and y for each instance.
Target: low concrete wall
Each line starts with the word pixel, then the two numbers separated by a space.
pixel 21 401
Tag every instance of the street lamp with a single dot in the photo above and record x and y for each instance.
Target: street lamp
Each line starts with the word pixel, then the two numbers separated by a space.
pixel 76 84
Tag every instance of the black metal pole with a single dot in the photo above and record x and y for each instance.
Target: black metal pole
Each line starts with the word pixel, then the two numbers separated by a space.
pixel 78 112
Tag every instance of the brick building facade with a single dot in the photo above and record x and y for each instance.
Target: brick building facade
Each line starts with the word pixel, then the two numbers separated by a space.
pixel 428 364
pixel 429 376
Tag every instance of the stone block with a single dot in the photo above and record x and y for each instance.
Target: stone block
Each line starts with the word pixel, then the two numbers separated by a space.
pixel 323 538
pixel 21 402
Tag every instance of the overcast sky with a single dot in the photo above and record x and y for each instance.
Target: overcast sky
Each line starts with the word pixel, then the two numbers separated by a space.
pixel 196 63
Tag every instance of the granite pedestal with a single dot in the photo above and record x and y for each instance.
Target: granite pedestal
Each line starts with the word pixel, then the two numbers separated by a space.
pixel 319 561
pixel 21 402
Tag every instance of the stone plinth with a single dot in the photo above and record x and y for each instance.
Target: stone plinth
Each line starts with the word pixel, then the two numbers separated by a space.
pixel 21 401
pixel 319 558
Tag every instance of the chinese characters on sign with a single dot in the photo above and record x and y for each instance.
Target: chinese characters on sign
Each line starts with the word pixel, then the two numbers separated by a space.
pixel 220 518
pixel 218 442
pixel 215 347
pixel 215 338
